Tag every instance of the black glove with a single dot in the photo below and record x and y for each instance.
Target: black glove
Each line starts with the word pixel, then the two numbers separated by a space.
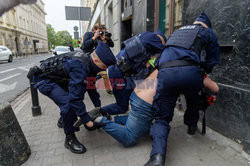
pixel 95 126
pixel 33 71
pixel 94 113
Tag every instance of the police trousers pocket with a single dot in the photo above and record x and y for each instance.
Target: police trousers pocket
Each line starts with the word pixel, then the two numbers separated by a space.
pixel 45 88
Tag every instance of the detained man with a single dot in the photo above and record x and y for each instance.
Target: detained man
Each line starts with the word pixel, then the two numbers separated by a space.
pixel 139 120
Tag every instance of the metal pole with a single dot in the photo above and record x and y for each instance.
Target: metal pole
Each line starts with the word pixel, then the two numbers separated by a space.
pixel 79 14
pixel 80 30
pixel 36 109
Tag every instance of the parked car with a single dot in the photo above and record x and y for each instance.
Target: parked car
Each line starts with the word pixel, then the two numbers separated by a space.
pixel 61 49
pixel 5 54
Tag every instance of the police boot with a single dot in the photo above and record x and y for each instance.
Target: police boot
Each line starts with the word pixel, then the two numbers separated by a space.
pixel 73 144
pixel 59 123
pixel 156 160
pixel 191 130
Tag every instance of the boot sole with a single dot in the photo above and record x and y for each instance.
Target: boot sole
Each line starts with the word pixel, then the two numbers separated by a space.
pixel 77 152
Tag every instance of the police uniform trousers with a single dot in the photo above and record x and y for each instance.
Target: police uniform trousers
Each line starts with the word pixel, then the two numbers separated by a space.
pixel 172 81
pixel 71 104
pixel 122 89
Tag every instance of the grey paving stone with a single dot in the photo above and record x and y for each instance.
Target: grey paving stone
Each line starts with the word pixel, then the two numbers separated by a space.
pixel 46 141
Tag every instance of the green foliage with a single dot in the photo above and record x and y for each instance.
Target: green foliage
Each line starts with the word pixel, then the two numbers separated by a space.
pixel 60 38
pixel 51 36
pixel 63 38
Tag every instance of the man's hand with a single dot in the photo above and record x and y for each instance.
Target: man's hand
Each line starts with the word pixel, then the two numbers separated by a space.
pixel 95 125
pixel 103 38
pixel 96 35
pixel 90 124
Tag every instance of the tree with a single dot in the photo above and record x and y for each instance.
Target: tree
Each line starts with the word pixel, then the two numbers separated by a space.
pixel 51 36
pixel 63 38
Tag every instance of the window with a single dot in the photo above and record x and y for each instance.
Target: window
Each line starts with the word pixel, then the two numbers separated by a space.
pixel 7 21
pixel 24 23
pixel 3 39
pixel 13 17
pixel 1 19
pixel 10 42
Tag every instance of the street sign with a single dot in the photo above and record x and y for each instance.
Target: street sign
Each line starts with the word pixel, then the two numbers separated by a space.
pixel 76 35
pixel 78 13
pixel 75 28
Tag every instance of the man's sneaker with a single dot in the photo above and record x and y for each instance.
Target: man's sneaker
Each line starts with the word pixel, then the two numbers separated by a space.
pixel 74 145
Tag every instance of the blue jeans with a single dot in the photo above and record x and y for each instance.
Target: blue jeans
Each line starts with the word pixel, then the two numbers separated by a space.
pixel 138 122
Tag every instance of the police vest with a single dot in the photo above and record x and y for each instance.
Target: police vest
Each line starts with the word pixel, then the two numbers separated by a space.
pixel 53 69
pixel 188 37
pixel 136 55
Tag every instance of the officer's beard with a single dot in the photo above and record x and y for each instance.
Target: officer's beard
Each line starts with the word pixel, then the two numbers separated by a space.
pixel 94 69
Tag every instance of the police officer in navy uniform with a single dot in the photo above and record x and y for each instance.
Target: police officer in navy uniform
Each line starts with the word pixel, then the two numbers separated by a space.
pixel 63 79
pixel 181 71
pixel 132 60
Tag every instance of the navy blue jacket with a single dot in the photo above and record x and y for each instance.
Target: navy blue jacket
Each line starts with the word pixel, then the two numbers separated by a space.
pixel 212 52
pixel 88 44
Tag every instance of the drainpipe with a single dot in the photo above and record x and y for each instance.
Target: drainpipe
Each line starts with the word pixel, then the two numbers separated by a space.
pixel 171 17
pixel 156 15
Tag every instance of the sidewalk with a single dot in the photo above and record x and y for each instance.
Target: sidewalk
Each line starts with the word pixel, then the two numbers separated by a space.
pixel 46 142
pixel 30 55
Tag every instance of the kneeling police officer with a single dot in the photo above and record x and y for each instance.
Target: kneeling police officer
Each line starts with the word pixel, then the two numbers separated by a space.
pixel 63 79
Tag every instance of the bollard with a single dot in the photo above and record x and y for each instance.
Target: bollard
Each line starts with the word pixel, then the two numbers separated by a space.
pixel 14 149
pixel 36 109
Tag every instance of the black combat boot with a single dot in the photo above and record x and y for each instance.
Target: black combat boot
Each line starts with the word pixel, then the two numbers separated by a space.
pixel 59 123
pixel 73 144
pixel 191 130
pixel 156 160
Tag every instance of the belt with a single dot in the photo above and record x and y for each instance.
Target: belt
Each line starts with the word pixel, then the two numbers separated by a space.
pixel 178 63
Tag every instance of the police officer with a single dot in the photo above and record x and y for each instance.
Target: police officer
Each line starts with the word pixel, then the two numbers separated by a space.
pixel 180 72
pixel 133 59
pixel 64 79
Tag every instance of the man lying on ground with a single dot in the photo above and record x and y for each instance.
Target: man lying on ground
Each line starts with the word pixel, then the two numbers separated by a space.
pixel 139 120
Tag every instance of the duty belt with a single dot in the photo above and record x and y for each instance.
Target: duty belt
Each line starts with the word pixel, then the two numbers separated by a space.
pixel 178 63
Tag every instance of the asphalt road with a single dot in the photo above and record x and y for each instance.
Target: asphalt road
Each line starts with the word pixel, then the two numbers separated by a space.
pixel 13 80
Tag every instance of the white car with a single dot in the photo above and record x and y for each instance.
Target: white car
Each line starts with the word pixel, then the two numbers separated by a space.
pixel 61 50
pixel 5 54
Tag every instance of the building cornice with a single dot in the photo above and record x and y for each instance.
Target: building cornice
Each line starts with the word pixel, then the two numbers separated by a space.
pixel 40 9
pixel 10 29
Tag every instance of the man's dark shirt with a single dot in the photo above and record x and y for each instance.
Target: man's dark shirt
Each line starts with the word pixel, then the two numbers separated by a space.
pixel 89 44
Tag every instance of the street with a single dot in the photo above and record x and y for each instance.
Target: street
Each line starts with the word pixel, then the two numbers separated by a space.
pixel 13 80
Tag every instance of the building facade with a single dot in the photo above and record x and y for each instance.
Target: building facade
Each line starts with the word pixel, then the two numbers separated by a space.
pixel 23 29
pixel 9 30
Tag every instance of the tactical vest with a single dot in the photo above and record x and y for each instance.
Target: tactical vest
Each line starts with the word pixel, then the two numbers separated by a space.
pixel 136 55
pixel 53 69
pixel 188 37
